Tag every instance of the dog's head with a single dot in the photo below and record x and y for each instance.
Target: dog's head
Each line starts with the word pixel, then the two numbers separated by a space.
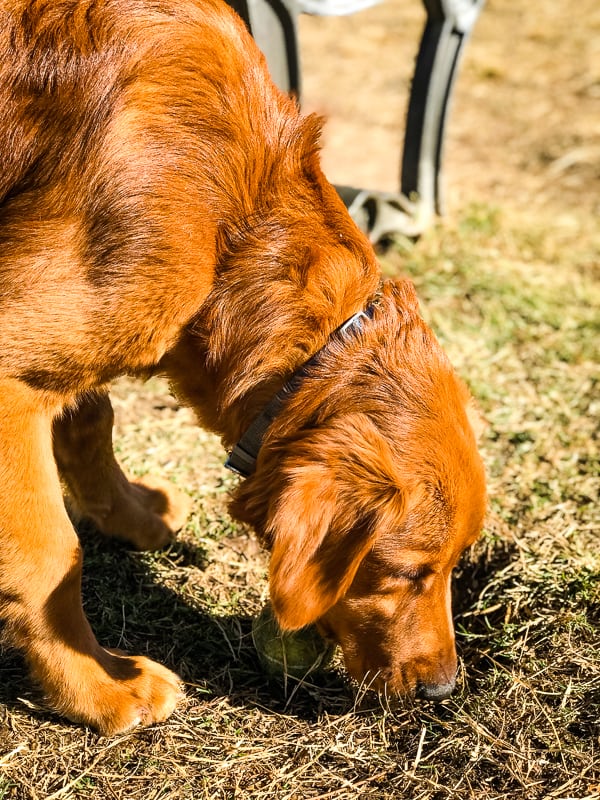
pixel 367 491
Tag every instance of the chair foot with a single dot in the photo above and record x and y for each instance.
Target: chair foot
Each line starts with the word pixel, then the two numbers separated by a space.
pixel 384 215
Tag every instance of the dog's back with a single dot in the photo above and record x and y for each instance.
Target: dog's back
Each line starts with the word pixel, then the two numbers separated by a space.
pixel 122 154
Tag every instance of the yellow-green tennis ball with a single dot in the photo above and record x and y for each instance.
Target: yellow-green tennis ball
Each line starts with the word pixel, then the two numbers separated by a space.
pixel 294 653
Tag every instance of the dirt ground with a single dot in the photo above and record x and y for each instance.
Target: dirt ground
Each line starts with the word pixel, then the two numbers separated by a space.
pixel 524 126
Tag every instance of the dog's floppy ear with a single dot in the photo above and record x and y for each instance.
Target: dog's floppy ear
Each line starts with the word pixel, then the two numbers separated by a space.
pixel 324 524
pixel 316 552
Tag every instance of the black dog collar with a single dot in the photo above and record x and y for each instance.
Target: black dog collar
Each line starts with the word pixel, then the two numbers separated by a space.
pixel 242 459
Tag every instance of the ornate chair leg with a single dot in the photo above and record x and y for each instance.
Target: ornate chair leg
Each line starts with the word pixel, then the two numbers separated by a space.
pixel 274 26
pixel 448 25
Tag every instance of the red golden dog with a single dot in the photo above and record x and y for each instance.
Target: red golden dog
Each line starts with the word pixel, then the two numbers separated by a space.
pixel 162 210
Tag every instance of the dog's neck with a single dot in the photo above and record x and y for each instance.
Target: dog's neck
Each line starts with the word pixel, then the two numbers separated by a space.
pixel 250 338
pixel 243 456
pixel 285 279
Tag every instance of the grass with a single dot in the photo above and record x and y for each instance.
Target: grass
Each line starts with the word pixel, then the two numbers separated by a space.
pixel 525 721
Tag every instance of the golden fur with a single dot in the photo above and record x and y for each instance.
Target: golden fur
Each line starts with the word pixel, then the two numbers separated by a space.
pixel 162 210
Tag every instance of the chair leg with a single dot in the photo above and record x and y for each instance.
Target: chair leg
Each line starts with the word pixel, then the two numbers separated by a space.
pixel 383 214
pixel 446 32
pixel 274 26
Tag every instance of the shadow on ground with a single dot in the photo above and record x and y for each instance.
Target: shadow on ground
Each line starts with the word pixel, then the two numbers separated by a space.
pixel 132 607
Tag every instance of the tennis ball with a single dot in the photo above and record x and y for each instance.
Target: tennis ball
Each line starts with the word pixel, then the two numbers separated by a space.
pixel 293 653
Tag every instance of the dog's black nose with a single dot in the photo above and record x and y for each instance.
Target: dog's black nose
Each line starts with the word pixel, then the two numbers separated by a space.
pixel 435 691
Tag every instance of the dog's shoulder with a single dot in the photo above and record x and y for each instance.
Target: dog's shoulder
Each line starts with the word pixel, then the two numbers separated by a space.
pixel 108 114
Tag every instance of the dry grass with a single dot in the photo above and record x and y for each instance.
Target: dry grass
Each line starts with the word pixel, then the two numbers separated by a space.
pixel 514 296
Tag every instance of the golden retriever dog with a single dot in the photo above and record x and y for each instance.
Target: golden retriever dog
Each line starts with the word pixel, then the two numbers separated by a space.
pixel 162 211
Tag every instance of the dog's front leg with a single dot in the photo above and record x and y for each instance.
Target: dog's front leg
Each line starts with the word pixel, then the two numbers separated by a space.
pixel 144 513
pixel 40 585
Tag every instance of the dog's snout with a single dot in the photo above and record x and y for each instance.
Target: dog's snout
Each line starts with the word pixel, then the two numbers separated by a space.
pixel 435 691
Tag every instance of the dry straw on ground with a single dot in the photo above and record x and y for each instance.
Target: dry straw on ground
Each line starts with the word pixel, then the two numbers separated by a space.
pixel 511 285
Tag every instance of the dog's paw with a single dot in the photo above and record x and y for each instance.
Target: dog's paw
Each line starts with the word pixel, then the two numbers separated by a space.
pixel 141 693
pixel 147 514
pixel 163 499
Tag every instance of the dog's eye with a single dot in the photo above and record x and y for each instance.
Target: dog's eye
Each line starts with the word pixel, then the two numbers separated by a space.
pixel 412 573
